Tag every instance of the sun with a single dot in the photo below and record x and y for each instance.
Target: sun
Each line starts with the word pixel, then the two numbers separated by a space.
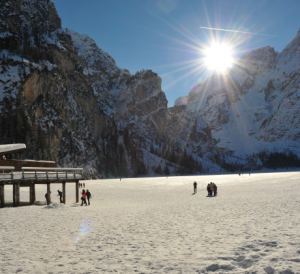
pixel 218 57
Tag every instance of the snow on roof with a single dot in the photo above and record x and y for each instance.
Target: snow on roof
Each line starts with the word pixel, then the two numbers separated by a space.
pixel 11 148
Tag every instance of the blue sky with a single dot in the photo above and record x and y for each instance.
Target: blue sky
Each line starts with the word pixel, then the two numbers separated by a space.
pixel 166 35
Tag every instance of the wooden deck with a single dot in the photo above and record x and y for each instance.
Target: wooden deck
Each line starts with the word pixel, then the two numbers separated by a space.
pixel 30 176
pixel 28 173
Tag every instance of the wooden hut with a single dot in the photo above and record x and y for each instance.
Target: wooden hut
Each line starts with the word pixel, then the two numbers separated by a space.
pixel 28 173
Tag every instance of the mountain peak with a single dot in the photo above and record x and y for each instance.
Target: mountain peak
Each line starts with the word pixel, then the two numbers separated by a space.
pixel 261 54
pixel 289 58
pixel 259 60
pixel 28 17
pixel 293 46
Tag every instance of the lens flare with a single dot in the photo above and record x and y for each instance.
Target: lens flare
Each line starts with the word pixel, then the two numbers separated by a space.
pixel 85 228
pixel 218 57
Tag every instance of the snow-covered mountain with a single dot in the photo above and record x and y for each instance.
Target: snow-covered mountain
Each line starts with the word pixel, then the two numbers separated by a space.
pixel 255 108
pixel 69 101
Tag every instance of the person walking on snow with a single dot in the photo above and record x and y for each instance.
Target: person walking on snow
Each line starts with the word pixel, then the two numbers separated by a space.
pixel 195 187
pixel 60 194
pixel 89 196
pixel 83 198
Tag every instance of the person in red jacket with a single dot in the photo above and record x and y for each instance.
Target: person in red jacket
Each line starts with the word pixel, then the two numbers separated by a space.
pixel 83 197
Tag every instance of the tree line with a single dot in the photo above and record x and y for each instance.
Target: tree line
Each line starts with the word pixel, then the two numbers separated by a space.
pixel 17 125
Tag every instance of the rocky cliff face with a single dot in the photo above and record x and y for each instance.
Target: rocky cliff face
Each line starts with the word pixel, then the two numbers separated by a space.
pixel 68 101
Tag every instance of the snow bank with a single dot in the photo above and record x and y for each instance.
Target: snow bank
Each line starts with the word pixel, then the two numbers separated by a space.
pixel 55 206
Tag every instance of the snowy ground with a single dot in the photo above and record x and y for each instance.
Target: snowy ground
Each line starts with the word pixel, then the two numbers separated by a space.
pixel 156 225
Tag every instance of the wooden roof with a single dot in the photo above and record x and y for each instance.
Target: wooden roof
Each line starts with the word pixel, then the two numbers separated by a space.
pixel 11 148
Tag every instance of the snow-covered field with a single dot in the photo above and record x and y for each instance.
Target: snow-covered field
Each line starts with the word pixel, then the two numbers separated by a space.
pixel 156 225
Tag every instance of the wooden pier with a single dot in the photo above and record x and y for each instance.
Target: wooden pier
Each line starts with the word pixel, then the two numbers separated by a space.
pixel 28 173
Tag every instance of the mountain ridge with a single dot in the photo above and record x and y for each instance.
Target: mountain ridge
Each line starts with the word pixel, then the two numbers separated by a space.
pixel 254 101
pixel 69 101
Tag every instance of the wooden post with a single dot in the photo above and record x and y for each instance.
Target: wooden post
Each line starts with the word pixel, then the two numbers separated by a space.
pixel 32 193
pixel 64 192
pixel 77 191
pixel 48 194
pixel 2 200
pixel 16 194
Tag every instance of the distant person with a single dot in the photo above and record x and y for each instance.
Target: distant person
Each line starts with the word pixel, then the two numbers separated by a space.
pixel 212 188
pixel 215 189
pixel 83 184
pixel 46 196
pixel 60 194
pixel 208 189
pixel 83 197
pixel 195 187
pixel 88 196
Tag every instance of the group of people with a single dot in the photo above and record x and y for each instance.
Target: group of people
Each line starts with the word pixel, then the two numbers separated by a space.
pixel 81 185
pixel 60 194
pixel 85 195
pixel 211 189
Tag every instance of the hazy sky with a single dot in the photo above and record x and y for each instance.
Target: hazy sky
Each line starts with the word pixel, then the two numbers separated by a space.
pixel 167 36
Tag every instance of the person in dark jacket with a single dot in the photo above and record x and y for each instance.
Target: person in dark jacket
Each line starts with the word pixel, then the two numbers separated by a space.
pixel 212 188
pixel 195 187
pixel 208 190
pixel 46 197
pixel 216 189
pixel 60 194
pixel 89 196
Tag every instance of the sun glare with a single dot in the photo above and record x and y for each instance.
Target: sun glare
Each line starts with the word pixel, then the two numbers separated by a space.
pixel 218 57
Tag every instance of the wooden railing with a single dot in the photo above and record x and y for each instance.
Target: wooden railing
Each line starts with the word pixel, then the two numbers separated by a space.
pixel 40 174
pixel 4 168
pixel 6 173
